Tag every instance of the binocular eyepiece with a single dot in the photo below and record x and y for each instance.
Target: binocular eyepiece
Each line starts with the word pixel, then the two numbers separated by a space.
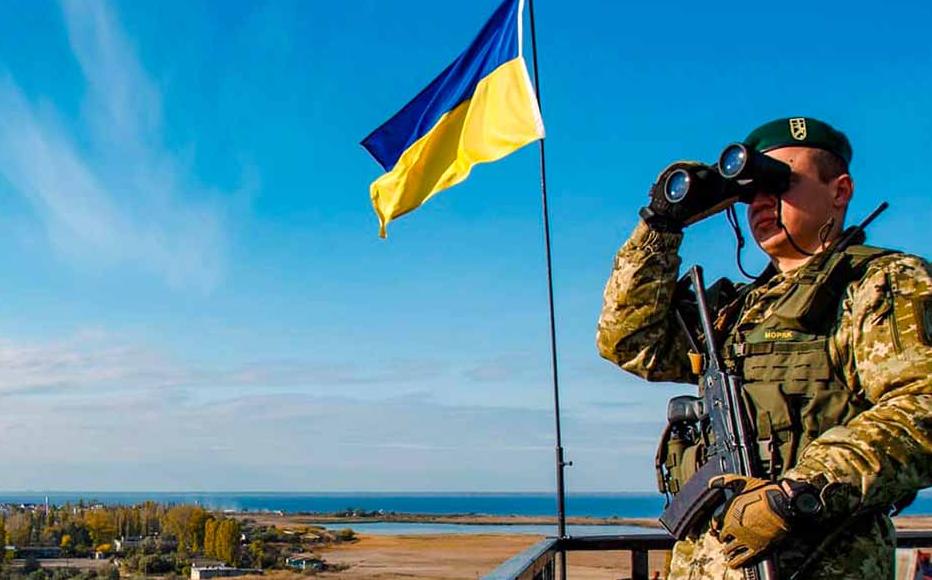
pixel 740 172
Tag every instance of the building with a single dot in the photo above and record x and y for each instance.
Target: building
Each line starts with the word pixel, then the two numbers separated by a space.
pixel 37 552
pixel 127 543
pixel 305 562
pixel 205 572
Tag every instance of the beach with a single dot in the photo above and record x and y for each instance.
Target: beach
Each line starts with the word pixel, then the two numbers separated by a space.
pixel 297 520
pixel 386 556
pixel 461 556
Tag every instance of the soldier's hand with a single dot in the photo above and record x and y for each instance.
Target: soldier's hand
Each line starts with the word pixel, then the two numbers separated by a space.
pixel 703 192
pixel 756 518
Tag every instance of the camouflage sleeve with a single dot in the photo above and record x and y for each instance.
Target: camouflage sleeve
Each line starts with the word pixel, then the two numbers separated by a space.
pixel 637 330
pixel 884 347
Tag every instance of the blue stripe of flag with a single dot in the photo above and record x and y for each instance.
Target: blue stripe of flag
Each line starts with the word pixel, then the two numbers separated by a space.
pixel 496 44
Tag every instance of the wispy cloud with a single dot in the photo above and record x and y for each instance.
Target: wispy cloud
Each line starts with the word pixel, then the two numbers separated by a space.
pixel 96 361
pixel 132 415
pixel 110 191
pixel 78 363
pixel 289 441
pixel 500 369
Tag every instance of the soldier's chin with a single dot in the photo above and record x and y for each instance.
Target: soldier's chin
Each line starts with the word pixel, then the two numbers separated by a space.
pixel 771 241
pixel 766 232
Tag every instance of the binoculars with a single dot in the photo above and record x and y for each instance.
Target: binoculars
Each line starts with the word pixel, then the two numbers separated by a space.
pixel 740 170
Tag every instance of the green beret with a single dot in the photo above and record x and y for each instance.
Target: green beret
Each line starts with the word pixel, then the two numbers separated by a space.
pixel 800 132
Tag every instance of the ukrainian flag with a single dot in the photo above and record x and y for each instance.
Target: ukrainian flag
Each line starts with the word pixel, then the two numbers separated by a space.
pixel 481 108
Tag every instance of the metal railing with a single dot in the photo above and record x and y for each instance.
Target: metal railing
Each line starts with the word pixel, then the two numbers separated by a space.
pixel 539 561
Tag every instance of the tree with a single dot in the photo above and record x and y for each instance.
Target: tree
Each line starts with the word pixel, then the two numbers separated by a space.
pixel 226 541
pixel 257 553
pixel 19 529
pixel 210 538
pixel 80 536
pixel 128 521
pixel 186 523
pixel 101 526
pixel 151 513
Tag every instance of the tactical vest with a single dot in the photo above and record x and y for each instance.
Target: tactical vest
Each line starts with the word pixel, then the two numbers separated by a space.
pixel 790 390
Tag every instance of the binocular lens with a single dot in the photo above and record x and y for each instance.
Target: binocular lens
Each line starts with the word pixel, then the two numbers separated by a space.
pixel 753 171
pixel 733 160
pixel 676 186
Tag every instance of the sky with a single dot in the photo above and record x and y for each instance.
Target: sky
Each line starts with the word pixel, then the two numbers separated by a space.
pixel 195 296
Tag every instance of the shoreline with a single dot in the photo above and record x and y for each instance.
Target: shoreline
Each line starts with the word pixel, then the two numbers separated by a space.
pixel 312 518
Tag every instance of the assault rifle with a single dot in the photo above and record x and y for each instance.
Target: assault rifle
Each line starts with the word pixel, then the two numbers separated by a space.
pixel 720 411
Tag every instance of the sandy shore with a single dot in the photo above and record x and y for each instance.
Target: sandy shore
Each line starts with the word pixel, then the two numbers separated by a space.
pixel 470 555
pixel 913 522
pixel 462 556
pixel 285 520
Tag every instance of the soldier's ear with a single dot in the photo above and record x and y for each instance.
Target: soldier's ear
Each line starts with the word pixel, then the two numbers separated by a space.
pixel 842 190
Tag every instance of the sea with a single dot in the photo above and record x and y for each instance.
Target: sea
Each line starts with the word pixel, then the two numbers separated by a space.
pixel 600 505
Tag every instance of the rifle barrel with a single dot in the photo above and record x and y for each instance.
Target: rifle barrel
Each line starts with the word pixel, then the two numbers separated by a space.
pixel 695 273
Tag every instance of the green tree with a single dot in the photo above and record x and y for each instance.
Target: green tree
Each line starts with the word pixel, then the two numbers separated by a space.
pixel 257 553
pixel 80 536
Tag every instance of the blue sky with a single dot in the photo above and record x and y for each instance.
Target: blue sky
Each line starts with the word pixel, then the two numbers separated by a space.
pixel 195 295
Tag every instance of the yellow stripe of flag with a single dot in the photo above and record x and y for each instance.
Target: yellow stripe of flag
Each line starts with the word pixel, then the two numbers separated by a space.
pixel 484 108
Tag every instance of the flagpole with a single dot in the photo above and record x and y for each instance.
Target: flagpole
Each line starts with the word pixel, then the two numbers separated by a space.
pixel 561 464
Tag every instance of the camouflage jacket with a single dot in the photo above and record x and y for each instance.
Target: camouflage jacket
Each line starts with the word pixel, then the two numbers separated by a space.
pixel 879 347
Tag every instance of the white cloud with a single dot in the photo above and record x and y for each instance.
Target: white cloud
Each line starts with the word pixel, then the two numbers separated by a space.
pixel 79 363
pixel 94 361
pixel 95 411
pixel 121 197
pixel 303 442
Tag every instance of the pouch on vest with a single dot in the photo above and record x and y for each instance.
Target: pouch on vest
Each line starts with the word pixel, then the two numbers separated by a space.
pixel 681 451
pixel 789 386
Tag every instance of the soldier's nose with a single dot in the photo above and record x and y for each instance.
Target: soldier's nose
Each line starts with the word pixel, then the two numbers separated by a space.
pixel 762 200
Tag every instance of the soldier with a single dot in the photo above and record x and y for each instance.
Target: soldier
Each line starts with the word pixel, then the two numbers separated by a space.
pixel 834 349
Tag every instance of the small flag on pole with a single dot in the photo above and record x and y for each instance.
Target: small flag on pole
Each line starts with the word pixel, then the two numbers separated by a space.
pixel 480 109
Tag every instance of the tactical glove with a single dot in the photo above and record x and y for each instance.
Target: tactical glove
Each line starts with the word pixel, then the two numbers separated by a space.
pixel 704 192
pixel 760 514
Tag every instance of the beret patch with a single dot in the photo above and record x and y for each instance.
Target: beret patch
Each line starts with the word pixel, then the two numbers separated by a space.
pixel 800 132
